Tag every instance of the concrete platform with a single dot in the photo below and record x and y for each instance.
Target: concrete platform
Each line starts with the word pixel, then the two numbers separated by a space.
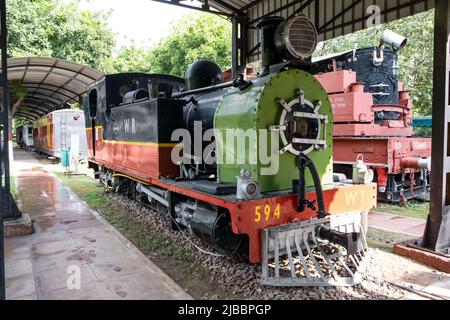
pixel 399 224
pixel 74 253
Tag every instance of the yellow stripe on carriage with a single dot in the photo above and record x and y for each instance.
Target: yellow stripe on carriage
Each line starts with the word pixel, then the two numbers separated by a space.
pixel 148 144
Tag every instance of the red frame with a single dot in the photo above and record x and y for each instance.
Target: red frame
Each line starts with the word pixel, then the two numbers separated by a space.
pixel 338 199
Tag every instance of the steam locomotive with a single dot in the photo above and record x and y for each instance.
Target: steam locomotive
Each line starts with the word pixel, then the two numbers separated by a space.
pixel 373 119
pixel 244 164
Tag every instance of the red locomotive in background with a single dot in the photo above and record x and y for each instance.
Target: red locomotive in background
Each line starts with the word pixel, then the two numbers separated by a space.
pixel 373 118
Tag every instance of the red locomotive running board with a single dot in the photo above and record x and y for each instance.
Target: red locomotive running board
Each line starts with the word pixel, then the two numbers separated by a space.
pixel 147 162
pixel 248 217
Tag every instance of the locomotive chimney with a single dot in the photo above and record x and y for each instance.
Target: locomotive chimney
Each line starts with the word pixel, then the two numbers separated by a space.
pixel 270 54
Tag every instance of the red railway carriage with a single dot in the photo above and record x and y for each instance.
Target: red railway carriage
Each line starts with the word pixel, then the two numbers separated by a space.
pixel 373 117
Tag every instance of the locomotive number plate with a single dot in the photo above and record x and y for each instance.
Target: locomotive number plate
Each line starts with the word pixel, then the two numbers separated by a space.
pixel 267 212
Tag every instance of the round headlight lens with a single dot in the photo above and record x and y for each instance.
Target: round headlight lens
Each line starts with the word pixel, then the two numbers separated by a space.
pixel 251 189
pixel 300 37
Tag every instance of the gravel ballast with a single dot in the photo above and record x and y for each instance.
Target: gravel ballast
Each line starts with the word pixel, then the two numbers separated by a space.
pixel 238 279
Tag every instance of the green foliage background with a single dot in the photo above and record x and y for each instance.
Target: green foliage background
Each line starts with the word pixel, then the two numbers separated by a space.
pixel 54 28
pixel 194 37
pixel 51 28
pixel 416 59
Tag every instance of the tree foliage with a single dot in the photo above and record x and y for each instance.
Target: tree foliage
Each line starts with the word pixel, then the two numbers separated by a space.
pixel 17 123
pixel 194 37
pixel 51 28
pixel 416 59
pixel 131 59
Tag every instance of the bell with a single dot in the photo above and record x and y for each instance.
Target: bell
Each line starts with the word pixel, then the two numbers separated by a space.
pixel 361 173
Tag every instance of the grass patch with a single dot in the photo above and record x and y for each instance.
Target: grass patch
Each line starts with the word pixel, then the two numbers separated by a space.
pixel 149 241
pixel 415 209
pixel 385 240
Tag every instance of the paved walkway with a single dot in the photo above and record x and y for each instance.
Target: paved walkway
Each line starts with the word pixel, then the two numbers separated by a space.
pixel 440 290
pixel 393 223
pixel 72 240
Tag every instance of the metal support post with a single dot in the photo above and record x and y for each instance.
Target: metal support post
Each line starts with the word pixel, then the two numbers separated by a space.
pixel 437 233
pixel 239 45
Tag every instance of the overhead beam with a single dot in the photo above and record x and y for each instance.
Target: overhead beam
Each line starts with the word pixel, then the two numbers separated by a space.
pixel 250 5
pixel 226 5
pixel 202 9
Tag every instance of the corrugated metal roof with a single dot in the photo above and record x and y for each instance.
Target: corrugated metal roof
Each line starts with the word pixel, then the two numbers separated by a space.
pixel 51 84
pixel 332 18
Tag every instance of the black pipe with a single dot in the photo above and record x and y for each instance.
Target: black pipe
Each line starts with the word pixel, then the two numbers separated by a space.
pixel 203 90
pixel 305 162
pixel 302 202
pixel 269 53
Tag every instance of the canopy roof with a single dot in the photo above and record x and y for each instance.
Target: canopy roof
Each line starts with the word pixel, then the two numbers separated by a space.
pixel 51 84
pixel 332 18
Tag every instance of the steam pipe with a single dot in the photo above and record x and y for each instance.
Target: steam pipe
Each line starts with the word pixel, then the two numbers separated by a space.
pixel 203 90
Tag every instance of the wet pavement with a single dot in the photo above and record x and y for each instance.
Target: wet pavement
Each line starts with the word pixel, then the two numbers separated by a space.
pixel 399 224
pixel 73 253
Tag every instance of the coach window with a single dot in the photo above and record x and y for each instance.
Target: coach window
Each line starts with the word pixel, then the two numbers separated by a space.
pixel 93 103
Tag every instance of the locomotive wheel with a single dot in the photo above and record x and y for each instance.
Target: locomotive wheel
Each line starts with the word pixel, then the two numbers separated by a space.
pixel 225 239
